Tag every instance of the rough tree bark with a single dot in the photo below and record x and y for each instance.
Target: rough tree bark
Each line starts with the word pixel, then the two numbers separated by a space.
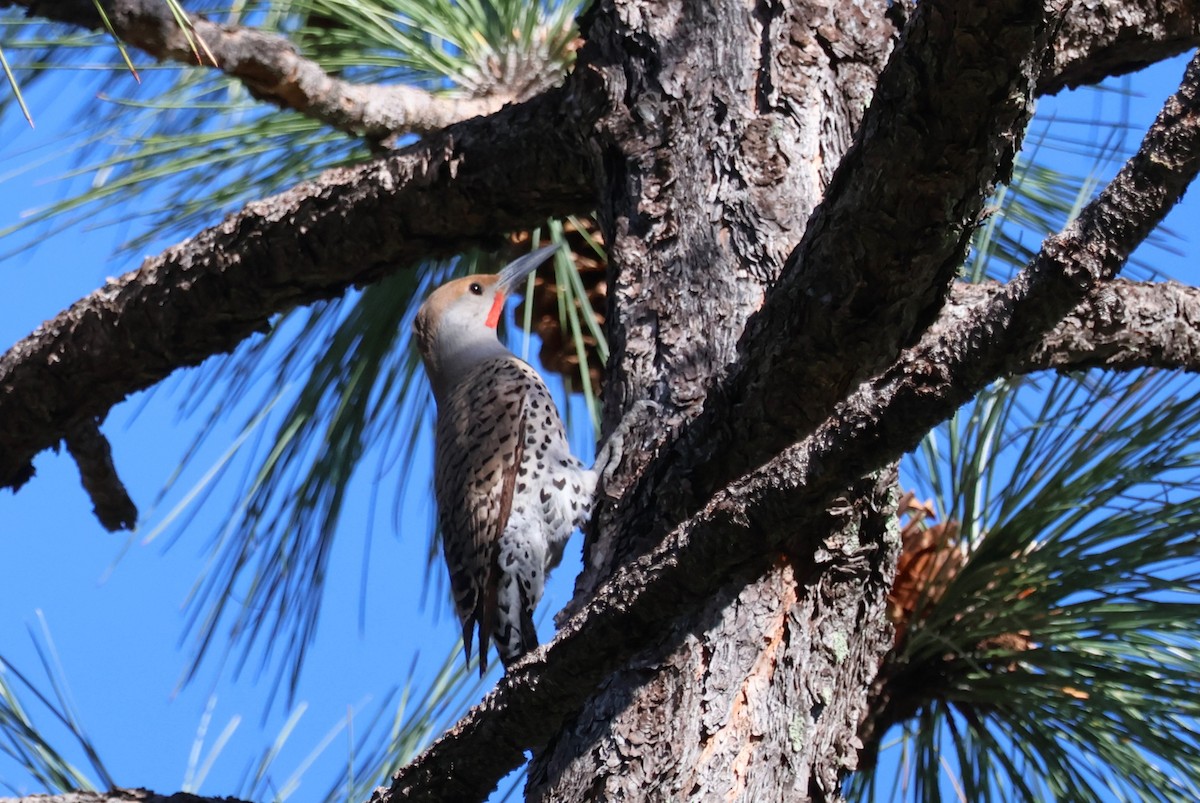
pixel 730 621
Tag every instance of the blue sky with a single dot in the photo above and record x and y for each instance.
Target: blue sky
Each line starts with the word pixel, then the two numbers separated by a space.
pixel 114 604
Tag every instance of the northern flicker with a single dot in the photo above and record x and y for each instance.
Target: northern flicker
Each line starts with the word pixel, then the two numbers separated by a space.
pixel 509 491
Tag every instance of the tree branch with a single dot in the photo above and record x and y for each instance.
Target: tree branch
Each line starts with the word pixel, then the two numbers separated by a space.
pixel 271 69
pixel 1094 246
pixel 93 455
pixel 1122 325
pixel 740 526
pixel 119 796
pixel 467 186
pixel 1103 38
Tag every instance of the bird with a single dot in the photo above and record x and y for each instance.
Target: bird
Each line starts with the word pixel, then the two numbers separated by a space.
pixel 509 491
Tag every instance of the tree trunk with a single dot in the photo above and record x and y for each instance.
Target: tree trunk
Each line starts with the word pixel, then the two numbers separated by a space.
pixel 725 126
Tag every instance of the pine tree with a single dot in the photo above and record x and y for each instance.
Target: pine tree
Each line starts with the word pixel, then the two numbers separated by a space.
pixel 815 221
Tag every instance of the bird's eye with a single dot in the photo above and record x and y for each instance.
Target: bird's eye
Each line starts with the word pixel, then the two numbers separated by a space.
pixel 476 288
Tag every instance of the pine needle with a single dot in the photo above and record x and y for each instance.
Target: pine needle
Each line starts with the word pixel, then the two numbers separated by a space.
pixel 116 40
pixel 16 88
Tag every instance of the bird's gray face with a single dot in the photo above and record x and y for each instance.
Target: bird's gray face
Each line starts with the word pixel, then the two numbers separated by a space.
pixel 456 313
pixel 467 310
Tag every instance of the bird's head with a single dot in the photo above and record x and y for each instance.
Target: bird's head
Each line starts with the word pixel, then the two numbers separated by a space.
pixel 456 326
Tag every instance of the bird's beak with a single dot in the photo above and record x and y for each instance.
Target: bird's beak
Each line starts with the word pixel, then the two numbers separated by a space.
pixel 518 269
